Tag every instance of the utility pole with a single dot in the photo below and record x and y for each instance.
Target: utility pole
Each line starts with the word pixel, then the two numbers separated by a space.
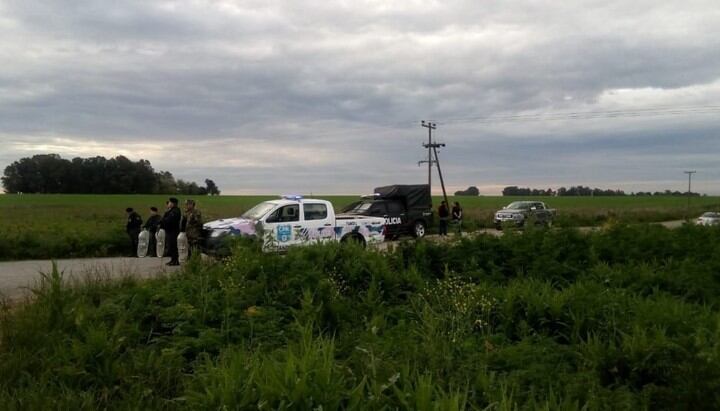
pixel 689 193
pixel 430 126
pixel 433 157
pixel 437 161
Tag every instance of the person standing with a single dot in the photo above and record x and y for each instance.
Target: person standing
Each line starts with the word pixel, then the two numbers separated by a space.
pixel 134 222
pixel 151 225
pixel 171 224
pixel 457 216
pixel 192 226
pixel 444 215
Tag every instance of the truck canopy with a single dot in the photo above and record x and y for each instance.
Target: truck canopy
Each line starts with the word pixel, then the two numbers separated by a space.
pixel 413 195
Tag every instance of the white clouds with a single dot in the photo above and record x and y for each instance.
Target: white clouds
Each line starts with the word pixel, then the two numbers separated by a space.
pixel 240 84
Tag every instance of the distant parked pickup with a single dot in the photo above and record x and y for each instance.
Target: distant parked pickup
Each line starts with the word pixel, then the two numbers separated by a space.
pixel 293 220
pixel 519 213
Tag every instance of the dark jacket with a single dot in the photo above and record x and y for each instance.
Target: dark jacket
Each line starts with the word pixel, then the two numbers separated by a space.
pixel 457 213
pixel 152 223
pixel 171 220
pixel 134 222
pixel 443 212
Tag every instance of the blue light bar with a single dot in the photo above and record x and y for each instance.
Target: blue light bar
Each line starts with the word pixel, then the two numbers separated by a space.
pixel 292 197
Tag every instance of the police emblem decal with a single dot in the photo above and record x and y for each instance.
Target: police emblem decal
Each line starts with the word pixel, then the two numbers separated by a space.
pixel 284 233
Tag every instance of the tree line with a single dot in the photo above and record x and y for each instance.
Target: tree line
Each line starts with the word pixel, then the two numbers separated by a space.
pixel 52 174
pixel 581 191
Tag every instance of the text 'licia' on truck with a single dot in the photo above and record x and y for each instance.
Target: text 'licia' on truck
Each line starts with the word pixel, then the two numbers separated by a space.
pixel 407 209
pixel 294 220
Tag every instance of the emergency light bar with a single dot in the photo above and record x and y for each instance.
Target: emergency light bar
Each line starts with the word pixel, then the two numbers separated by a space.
pixel 292 197
pixel 373 195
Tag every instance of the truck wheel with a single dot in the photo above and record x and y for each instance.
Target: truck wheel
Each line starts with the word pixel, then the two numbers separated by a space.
pixel 419 229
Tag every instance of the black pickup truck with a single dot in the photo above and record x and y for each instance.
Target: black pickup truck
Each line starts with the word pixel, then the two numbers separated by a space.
pixel 407 209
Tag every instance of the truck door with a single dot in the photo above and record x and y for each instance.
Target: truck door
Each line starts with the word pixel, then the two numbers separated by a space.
pixel 318 225
pixel 540 213
pixel 397 219
pixel 379 209
pixel 280 227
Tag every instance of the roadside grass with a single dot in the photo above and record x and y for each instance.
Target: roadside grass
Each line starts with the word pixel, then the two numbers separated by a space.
pixel 69 226
pixel 623 318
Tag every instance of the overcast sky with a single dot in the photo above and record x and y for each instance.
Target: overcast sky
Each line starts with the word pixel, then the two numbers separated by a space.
pixel 327 96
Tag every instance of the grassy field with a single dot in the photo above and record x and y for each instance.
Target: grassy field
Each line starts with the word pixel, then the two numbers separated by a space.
pixel 63 226
pixel 625 318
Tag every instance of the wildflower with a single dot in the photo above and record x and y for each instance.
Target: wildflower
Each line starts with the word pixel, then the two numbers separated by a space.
pixel 252 311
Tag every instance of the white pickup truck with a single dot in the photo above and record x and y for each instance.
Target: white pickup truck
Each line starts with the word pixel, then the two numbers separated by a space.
pixel 293 220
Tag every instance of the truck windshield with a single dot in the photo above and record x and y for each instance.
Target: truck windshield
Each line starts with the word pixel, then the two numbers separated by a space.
pixel 360 207
pixel 258 211
pixel 519 205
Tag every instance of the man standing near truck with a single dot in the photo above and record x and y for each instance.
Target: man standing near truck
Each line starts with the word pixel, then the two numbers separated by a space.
pixel 171 224
pixel 134 222
pixel 444 215
pixel 152 224
pixel 192 226
pixel 457 216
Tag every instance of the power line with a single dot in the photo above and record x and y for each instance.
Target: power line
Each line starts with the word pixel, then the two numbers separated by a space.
pixel 513 118
pixel 586 115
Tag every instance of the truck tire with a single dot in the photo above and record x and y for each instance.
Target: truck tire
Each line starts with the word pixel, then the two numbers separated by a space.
pixel 354 238
pixel 419 229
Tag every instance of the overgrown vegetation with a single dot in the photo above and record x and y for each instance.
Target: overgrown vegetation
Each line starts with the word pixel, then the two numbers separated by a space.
pixel 624 318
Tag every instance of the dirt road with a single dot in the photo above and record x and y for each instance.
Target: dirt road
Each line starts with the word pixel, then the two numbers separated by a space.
pixel 17 276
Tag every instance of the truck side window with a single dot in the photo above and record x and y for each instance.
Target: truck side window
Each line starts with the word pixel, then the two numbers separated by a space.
pixel 289 213
pixel 315 211
pixel 378 209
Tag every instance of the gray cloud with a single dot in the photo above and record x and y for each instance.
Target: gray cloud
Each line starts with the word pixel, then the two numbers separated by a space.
pixel 268 96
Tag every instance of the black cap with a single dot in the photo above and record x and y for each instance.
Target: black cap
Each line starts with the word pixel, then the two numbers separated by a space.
pixel 173 200
pixel 129 210
pixel 153 209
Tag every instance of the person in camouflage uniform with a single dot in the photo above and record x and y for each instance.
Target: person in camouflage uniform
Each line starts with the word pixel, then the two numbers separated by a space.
pixel 192 225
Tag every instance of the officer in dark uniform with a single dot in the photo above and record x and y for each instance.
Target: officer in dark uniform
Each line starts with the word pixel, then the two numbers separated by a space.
pixel 444 215
pixel 152 224
pixel 134 222
pixel 171 224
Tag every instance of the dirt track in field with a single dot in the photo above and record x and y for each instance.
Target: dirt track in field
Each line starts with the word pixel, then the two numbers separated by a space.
pixel 16 277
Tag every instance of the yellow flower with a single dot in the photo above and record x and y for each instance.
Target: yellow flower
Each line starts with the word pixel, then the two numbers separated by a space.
pixel 252 311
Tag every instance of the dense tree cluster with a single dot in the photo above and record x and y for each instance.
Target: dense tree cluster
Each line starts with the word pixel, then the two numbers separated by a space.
pixel 471 191
pixel 49 173
pixel 520 191
pixel 580 191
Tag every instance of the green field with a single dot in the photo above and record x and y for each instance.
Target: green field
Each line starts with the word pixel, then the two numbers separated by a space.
pixel 624 318
pixel 63 226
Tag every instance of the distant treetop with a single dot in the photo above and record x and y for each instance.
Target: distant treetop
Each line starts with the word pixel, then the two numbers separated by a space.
pixel 471 191
pixel 579 191
pixel 51 174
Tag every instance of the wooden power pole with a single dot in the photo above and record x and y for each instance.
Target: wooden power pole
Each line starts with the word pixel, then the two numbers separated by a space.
pixel 433 157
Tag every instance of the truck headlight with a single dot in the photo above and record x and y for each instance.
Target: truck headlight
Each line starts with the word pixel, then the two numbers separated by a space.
pixel 218 233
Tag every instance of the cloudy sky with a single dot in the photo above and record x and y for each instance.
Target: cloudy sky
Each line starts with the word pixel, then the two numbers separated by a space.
pixel 327 96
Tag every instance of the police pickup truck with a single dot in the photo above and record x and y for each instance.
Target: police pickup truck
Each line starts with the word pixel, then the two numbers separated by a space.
pixel 519 213
pixel 294 220
pixel 407 209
